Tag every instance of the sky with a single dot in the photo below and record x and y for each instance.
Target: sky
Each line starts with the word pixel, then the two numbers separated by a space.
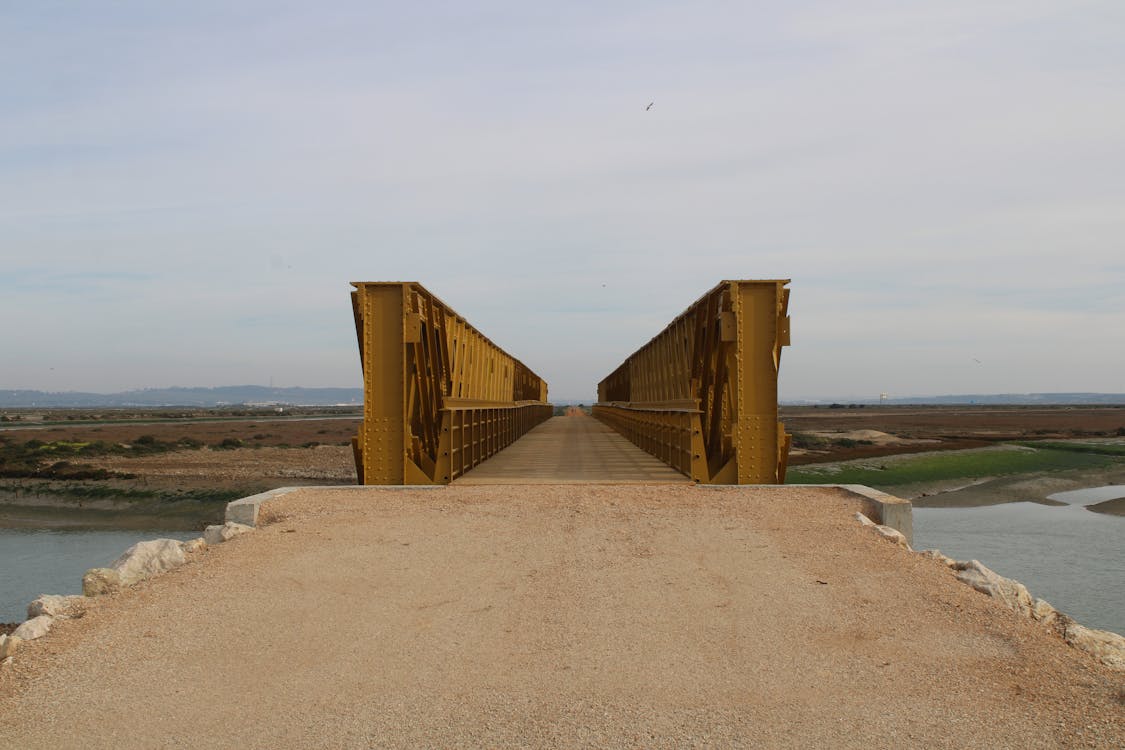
pixel 187 189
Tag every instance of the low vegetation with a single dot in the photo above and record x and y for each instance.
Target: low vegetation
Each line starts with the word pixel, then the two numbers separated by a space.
pixel 52 459
pixel 1100 449
pixel 809 441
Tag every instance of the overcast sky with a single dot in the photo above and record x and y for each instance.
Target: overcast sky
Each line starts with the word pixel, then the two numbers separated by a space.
pixel 187 189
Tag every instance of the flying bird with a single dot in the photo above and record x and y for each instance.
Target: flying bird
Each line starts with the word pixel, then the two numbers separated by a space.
pixel 649 106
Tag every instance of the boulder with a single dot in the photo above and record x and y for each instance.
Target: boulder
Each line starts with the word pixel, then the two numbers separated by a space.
pixel 99 581
pixel 1046 615
pixel 864 520
pixel 9 644
pixel 220 534
pixel 146 559
pixel 37 627
pixel 1013 594
pixel 934 554
pixel 194 545
pixel 886 532
pixel 55 606
pixel 893 535
pixel 1106 647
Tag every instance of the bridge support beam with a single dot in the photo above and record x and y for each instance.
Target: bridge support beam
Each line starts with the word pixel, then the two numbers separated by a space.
pixel 702 394
pixel 438 396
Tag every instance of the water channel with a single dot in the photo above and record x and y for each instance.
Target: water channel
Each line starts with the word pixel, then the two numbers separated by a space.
pixel 1069 555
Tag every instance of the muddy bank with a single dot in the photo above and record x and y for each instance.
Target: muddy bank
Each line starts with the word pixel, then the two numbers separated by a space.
pixel 1112 507
pixel 174 489
pixel 1013 489
pixel 25 511
pixel 184 518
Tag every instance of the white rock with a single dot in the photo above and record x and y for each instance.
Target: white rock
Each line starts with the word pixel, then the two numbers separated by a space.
pixel 220 534
pixel 1106 647
pixel 145 559
pixel 886 532
pixel 1012 593
pixel 9 644
pixel 55 606
pixel 99 581
pixel 893 535
pixel 934 554
pixel 194 545
pixel 1046 615
pixel 36 627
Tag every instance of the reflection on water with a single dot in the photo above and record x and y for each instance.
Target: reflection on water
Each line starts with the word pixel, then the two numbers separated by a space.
pixel 38 561
pixel 1068 555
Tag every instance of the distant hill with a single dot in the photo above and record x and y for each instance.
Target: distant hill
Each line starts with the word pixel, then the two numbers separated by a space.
pixel 221 396
pixel 995 399
pixel 260 394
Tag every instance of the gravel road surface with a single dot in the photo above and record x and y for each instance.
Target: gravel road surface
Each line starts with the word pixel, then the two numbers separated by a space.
pixel 556 616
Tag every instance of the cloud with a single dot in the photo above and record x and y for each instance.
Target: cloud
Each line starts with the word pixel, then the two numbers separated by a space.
pixel 209 178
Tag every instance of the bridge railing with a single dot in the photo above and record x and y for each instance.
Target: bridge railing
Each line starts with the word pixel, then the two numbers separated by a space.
pixel 702 395
pixel 438 396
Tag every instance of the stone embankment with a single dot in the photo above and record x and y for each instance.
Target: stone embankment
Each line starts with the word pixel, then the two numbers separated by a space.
pixel 656 616
pixel 1105 646
pixel 138 563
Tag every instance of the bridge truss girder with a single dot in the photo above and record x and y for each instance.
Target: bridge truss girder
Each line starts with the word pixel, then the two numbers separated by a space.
pixel 438 396
pixel 702 394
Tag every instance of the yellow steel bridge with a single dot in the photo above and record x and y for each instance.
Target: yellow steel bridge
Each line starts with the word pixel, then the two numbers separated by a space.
pixel 440 398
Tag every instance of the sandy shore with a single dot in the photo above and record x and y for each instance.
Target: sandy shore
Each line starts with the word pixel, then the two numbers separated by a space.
pixel 557 616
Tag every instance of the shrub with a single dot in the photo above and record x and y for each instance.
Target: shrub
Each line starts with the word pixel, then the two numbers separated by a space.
pixel 227 444
pixel 805 440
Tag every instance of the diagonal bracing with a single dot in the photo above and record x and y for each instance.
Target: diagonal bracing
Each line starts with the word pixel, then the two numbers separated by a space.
pixel 702 394
pixel 438 396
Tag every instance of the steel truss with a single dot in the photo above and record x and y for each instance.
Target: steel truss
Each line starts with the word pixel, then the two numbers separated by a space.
pixel 438 396
pixel 702 395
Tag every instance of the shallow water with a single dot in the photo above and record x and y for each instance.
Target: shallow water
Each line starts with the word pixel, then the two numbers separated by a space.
pixel 1070 556
pixel 52 561
pixel 1090 495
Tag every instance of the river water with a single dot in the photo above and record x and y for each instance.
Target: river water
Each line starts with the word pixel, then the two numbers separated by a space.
pixel 1069 555
pixel 52 561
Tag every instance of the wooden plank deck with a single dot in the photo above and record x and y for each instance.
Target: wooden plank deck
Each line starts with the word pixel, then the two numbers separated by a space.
pixel 575 449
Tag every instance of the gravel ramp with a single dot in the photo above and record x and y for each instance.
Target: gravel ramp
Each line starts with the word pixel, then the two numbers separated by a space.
pixel 556 616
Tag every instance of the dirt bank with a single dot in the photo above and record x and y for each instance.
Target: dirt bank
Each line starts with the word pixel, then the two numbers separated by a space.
pixel 184 483
pixel 575 616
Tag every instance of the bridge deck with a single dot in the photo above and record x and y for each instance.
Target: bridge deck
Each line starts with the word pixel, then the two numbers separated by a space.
pixel 572 449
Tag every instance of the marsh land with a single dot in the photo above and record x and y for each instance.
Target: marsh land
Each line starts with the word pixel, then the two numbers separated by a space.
pixel 91 464
pixel 944 456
